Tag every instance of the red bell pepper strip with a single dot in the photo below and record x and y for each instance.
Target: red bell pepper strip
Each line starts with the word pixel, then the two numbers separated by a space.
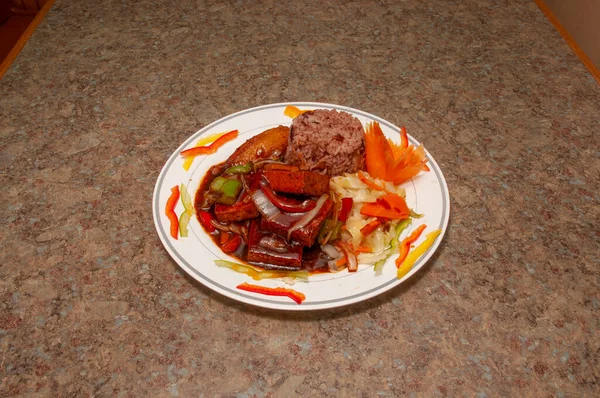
pixel 405 245
pixel 370 227
pixel 289 205
pixel 232 244
pixel 345 210
pixel 205 219
pixel 212 148
pixel 269 291
pixel 170 211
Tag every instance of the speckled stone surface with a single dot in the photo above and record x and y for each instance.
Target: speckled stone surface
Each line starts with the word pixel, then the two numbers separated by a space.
pixel 92 305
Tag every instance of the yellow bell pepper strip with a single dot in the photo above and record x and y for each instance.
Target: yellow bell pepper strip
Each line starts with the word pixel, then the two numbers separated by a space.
pixel 184 218
pixel 412 257
pixel 212 148
pixel 292 111
pixel 390 206
pixel 409 240
pixel 170 211
pixel 270 291
pixel 209 139
pixel 260 275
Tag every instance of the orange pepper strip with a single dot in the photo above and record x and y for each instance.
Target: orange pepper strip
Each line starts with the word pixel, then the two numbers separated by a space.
pixel 292 111
pixel 170 211
pixel 426 168
pixel 269 291
pixel 405 245
pixel 370 227
pixel 212 148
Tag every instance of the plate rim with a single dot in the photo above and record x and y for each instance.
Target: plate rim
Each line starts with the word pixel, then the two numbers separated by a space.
pixel 281 305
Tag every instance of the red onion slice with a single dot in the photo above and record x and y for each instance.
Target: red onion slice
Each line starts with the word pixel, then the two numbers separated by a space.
pixel 264 205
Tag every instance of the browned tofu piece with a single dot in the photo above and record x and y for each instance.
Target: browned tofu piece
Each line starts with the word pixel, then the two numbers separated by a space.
pixel 240 211
pixel 297 182
pixel 287 257
pixel 305 235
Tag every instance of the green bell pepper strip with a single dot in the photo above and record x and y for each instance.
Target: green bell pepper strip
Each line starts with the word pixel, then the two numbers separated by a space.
pixel 240 169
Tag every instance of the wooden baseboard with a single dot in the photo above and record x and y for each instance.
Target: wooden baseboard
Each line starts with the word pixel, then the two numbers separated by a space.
pixel 12 55
pixel 587 62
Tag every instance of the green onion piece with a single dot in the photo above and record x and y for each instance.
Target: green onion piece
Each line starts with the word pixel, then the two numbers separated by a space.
pixel 186 199
pixel 379 266
pixel 240 169
pixel 399 228
pixel 184 220
pixel 415 215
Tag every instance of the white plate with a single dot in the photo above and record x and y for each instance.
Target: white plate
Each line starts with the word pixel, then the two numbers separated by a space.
pixel 427 193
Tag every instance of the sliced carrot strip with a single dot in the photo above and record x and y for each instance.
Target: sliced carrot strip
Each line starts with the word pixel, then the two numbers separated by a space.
pixel 363 249
pixel 369 183
pixel 370 227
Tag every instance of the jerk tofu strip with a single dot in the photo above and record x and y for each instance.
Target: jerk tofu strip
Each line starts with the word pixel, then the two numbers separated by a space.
pixel 297 182
pixel 305 235
pixel 242 210
pixel 270 251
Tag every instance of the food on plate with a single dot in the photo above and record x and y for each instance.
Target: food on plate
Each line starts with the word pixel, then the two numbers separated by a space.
pixel 321 196
pixel 326 141
pixel 268 144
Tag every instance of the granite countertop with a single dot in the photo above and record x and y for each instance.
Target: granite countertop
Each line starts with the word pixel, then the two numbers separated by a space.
pixel 104 92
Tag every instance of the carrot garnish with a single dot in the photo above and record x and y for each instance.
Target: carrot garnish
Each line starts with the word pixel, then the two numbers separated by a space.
pixel 403 138
pixel 170 211
pixel 389 161
pixel 375 150
pixel 370 227
pixel 405 245
pixel 212 148
pixel 270 291
pixel 389 206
